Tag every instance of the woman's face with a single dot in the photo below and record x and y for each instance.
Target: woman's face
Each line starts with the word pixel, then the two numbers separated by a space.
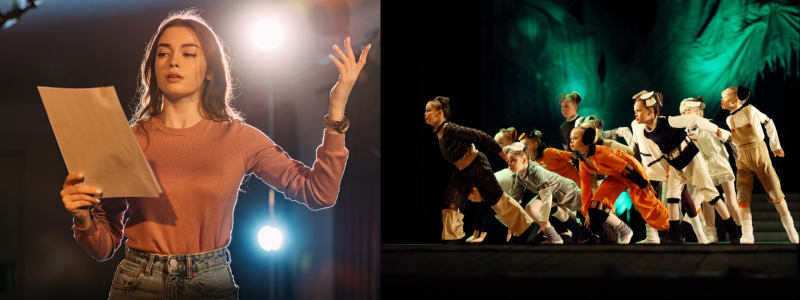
pixel 568 108
pixel 729 100
pixel 642 113
pixel 433 115
pixel 180 63
pixel 530 145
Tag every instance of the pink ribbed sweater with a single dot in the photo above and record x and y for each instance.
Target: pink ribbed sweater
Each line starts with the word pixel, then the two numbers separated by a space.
pixel 200 169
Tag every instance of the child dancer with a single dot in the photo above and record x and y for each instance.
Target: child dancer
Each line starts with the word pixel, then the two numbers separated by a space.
pixel 559 162
pixel 719 168
pixel 682 156
pixel 753 159
pixel 623 171
pixel 472 168
pixel 553 189
pixel 657 171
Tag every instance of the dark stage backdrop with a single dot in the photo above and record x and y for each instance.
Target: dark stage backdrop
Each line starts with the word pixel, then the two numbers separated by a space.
pixel 503 63
pixel 327 254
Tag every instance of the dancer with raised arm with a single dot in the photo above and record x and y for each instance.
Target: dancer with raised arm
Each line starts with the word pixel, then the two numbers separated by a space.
pixel 753 157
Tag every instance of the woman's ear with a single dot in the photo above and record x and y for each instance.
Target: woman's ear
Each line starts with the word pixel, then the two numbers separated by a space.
pixel 209 76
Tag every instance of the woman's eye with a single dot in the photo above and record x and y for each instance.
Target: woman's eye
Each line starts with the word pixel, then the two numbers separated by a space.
pixel 189 54
pixel 162 54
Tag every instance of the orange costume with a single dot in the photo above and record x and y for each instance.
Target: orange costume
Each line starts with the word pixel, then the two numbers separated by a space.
pixel 558 161
pixel 611 163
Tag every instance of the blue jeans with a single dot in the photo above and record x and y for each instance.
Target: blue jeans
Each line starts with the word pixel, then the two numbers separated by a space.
pixel 146 275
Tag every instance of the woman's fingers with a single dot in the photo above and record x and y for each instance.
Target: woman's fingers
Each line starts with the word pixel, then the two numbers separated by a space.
pixel 80 197
pixel 351 57
pixel 338 64
pixel 362 60
pixel 343 57
pixel 73 179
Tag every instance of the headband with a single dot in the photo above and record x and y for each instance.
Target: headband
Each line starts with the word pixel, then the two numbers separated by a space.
pixel 693 102
pixel 649 98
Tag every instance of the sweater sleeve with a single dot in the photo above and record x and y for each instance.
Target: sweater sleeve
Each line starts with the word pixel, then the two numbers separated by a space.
pixel 104 235
pixel 316 187
pixel 473 135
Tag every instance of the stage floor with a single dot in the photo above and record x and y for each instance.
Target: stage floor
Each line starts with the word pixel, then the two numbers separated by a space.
pixel 494 270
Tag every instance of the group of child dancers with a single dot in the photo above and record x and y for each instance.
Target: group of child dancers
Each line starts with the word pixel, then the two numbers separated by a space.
pixel 678 153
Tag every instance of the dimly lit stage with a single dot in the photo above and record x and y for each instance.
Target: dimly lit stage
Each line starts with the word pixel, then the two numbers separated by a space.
pixel 622 271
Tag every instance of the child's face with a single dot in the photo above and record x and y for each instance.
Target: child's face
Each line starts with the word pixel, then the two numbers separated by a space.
pixel 180 64
pixel 690 110
pixel 530 145
pixel 575 141
pixel 729 100
pixel 503 140
pixel 568 108
pixel 517 163
pixel 641 112
pixel 432 114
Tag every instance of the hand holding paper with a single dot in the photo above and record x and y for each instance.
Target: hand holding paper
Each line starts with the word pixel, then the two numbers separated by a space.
pixel 95 140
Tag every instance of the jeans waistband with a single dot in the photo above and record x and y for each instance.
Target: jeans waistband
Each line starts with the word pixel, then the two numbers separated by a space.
pixel 178 263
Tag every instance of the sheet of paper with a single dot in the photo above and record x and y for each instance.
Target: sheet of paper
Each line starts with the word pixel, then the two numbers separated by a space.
pixel 95 140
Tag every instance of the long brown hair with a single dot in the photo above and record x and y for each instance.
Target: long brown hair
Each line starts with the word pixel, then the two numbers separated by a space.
pixel 216 94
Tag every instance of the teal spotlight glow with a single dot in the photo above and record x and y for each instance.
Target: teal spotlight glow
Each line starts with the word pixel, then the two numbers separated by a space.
pixel 623 204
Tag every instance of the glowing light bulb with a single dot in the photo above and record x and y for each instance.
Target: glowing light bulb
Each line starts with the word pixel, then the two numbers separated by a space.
pixel 267 34
pixel 270 238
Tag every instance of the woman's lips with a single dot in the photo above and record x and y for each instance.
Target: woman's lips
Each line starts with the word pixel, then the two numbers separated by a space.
pixel 174 79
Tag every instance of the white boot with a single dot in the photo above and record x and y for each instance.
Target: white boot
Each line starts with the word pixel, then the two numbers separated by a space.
pixel 453 226
pixel 711 234
pixel 698 230
pixel 652 236
pixel 747 233
pixel 788 224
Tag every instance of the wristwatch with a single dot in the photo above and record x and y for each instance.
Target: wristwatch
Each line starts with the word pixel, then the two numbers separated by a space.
pixel 340 126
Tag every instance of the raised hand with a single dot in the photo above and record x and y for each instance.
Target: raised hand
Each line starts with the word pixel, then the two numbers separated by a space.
pixel 348 73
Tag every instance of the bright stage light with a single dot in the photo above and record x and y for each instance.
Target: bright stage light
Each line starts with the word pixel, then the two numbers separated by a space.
pixel 270 238
pixel 267 34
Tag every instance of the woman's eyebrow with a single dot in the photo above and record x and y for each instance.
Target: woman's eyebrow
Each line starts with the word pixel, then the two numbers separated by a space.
pixel 182 46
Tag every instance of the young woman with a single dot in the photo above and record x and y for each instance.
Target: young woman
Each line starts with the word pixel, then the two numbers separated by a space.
pixel 719 168
pixel 682 154
pixel 472 169
pixel 753 158
pixel 200 151
pixel 623 172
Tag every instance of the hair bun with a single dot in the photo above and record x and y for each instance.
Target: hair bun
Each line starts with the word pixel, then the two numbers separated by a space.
pixel 575 97
pixel 444 100
pixel 742 93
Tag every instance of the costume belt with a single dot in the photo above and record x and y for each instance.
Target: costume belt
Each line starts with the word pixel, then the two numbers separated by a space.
pixel 672 155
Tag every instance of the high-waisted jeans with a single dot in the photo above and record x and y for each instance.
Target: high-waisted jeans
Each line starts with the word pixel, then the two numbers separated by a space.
pixel 146 275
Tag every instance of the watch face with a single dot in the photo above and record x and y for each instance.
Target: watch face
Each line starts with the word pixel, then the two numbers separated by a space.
pixel 344 124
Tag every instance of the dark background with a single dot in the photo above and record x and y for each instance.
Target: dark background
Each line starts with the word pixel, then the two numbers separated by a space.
pixel 456 57
pixel 326 254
